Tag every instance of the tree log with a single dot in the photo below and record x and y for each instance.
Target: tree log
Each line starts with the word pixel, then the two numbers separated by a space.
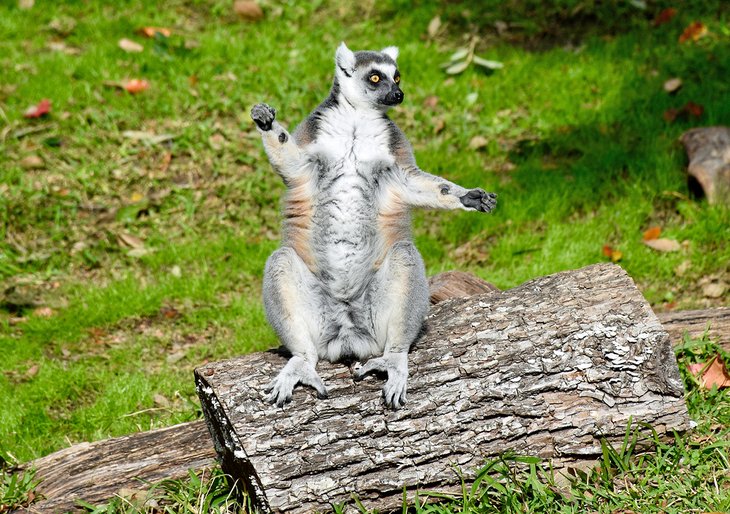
pixel 708 150
pixel 546 369
pixel 715 321
pixel 94 472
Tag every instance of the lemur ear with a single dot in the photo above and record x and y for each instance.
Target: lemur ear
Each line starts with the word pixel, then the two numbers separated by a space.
pixel 391 51
pixel 345 59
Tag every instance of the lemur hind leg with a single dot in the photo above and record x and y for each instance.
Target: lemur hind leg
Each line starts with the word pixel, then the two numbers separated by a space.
pixel 399 303
pixel 292 308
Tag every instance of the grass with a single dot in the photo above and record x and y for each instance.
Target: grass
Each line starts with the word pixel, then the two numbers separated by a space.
pixel 125 263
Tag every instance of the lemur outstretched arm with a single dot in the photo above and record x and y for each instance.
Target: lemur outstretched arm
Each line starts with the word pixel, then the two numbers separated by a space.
pixel 421 189
pixel 283 152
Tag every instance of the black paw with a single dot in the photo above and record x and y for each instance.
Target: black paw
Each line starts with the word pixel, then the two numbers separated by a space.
pixel 479 200
pixel 263 115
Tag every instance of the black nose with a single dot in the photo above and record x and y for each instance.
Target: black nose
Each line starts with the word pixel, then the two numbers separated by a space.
pixel 394 96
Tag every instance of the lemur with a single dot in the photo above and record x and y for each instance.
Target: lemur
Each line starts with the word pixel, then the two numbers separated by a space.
pixel 347 282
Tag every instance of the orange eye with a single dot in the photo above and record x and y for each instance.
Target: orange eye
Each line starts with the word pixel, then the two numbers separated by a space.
pixel 374 79
pixel 397 79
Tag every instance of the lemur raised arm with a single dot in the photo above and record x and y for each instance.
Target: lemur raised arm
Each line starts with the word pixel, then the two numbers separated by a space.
pixel 347 282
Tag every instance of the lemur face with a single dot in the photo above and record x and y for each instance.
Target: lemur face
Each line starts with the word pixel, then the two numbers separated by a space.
pixel 369 79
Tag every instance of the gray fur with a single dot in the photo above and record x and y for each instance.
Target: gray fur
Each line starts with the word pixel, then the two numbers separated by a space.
pixel 348 283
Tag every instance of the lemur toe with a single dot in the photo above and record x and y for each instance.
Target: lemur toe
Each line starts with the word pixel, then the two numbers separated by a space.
pixel 263 115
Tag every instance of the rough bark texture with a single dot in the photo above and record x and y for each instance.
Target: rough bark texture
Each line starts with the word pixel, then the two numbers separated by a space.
pixel 456 284
pixel 544 369
pixel 695 323
pixel 708 149
pixel 94 472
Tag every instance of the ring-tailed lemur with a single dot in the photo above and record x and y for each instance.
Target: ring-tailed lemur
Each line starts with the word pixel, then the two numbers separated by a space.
pixel 347 282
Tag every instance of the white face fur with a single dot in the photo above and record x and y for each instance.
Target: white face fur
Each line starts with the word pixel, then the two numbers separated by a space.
pixel 368 80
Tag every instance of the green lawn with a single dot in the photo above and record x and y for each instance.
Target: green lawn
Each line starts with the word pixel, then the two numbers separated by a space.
pixel 126 262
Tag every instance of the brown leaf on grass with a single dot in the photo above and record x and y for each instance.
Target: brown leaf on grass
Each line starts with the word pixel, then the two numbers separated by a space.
pixel 688 110
pixel 693 32
pixel 32 162
pixel 135 86
pixel 151 31
pixel 43 312
pixel 662 244
pixel 248 10
pixel 169 312
pixel 130 46
pixel 714 290
pixel 41 109
pixel 664 16
pixel 612 253
pixel 652 233
pixel 712 374
pixel 130 241
pixel 32 371
pixel 478 142
pixel 433 26
pixel 25 5
pixel 673 85
pixel 431 101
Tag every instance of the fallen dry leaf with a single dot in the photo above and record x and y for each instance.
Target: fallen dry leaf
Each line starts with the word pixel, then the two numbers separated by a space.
pixel 431 101
pixel 24 5
pixel 652 233
pixel 149 137
pixel 664 16
pixel 41 109
pixel 433 26
pixel 478 142
pixel 43 312
pixel 126 239
pixel 693 32
pixel 248 10
pixel 714 290
pixel 713 374
pixel 130 46
pixel 612 253
pixel 663 245
pixel 151 31
pixel 690 109
pixel 135 86
pixel 32 162
pixel 32 371
pixel 672 85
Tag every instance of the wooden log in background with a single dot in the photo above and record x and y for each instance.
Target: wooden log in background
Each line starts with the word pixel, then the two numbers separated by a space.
pixel 94 472
pixel 546 369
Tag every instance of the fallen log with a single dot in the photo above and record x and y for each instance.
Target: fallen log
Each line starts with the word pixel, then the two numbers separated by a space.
pixel 547 369
pixel 716 322
pixel 94 472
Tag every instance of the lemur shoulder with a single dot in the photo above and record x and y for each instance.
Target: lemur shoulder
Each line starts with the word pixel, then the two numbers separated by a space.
pixel 347 282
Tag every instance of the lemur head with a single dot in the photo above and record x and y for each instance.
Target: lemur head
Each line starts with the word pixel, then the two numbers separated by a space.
pixel 368 80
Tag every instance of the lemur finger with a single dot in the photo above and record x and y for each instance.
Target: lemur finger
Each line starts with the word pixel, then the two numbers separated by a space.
pixel 376 364
pixel 263 115
pixel 316 382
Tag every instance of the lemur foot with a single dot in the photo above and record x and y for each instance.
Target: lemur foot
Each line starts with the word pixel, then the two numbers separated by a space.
pixel 263 115
pixel 479 200
pixel 296 371
pixel 396 366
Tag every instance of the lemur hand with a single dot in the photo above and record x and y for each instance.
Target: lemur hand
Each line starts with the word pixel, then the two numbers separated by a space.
pixel 396 366
pixel 296 371
pixel 263 115
pixel 479 200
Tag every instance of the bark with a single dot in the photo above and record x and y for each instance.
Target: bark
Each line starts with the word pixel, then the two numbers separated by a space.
pixel 545 369
pixel 708 149
pixel 94 472
pixel 456 284
pixel 694 323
